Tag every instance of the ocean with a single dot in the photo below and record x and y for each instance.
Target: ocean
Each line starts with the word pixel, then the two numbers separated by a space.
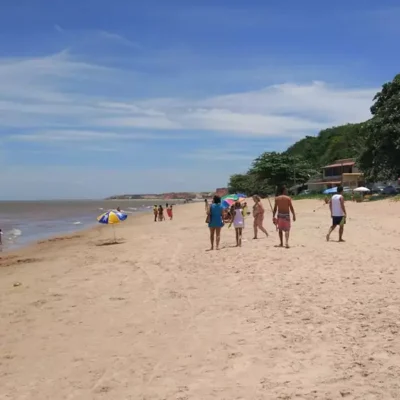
pixel 24 222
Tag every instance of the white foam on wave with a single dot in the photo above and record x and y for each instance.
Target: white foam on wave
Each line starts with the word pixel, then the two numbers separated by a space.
pixel 77 223
pixel 132 208
pixel 13 234
pixel 101 209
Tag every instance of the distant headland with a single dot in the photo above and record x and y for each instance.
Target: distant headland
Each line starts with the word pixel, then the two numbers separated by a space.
pixel 164 196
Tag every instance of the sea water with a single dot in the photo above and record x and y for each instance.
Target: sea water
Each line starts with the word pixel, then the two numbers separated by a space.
pixel 24 222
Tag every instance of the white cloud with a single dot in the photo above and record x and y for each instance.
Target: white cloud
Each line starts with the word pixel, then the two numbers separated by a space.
pixel 39 91
pixel 70 135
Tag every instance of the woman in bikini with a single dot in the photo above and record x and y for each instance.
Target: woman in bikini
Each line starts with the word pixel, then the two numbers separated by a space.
pixel 258 214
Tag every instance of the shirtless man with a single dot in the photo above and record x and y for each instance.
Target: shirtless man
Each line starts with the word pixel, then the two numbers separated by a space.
pixel 283 205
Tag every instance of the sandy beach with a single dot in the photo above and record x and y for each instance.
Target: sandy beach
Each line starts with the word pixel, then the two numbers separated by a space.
pixel 159 318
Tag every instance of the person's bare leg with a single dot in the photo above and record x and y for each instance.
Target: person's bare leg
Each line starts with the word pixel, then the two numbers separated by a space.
pixel 240 237
pixel 237 236
pixel 212 234
pixel 287 234
pixel 331 229
pixel 281 238
pixel 255 228
pixel 262 229
pixel 341 230
pixel 218 233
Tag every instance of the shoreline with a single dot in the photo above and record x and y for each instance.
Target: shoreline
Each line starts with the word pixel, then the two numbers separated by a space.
pixel 21 254
pixel 14 243
pixel 70 237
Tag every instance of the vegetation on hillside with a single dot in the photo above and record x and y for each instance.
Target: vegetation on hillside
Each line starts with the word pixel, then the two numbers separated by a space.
pixel 374 143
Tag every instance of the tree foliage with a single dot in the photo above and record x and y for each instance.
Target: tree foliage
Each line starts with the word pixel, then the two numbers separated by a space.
pixel 249 184
pixel 281 168
pixel 380 158
pixel 331 144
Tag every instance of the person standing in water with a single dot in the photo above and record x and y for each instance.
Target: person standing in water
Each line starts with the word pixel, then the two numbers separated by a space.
pixel 258 214
pixel 237 220
pixel 1 237
pixel 338 213
pixel 215 221
pixel 284 206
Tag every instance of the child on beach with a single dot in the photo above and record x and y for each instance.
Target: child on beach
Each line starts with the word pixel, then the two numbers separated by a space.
pixel 237 220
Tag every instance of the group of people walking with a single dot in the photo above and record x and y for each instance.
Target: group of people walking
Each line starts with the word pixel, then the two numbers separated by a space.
pixel 159 215
pixel 283 208
pixel 282 214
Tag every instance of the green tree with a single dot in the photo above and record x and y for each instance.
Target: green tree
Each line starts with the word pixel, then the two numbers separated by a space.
pixel 345 141
pixel 248 184
pixel 275 169
pixel 380 159
pixel 241 183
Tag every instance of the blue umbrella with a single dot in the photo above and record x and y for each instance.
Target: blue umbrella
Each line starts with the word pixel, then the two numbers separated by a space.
pixel 330 191
pixel 241 195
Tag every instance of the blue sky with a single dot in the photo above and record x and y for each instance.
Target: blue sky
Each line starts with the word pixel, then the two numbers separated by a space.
pixel 98 98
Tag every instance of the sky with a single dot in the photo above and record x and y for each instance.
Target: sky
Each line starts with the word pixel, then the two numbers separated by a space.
pixel 100 98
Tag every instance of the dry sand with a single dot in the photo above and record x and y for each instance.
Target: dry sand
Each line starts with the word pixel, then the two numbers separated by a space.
pixel 158 318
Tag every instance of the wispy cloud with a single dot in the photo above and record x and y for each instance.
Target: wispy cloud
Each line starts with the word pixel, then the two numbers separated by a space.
pixel 58 28
pixel 62 90
pixel 67 135
pixel 117 38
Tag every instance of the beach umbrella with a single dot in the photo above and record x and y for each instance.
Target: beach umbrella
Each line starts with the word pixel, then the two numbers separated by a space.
pixel 362 189
pixel 330 191
pixel 112 217
pixel 241 195
pixel 230 197
pixel 229 202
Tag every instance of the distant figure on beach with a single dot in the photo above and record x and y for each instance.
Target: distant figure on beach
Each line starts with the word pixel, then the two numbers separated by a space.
pixel 169 212
pixel 119 209
pixel 338 213
pixel 155 212
pixel 284 206
pixel 215 222
pixel 161 213
pixel 258 214
pixel 237 219
pixel 1 237
pixel 206 204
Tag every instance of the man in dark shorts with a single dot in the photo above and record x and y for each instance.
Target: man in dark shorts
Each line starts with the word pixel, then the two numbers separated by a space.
pixel 338 213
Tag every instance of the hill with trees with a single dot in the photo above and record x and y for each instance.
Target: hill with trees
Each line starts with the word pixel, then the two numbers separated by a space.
pixel 374 143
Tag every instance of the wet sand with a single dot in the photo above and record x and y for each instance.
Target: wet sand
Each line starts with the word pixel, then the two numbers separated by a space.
pixel 156 317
